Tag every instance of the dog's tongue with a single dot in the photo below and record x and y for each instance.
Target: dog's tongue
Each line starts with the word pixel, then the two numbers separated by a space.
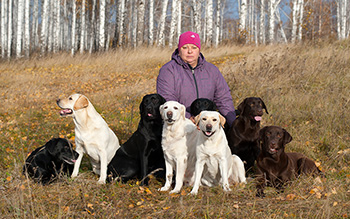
pixel 65 111
pixel 257 118
pixel 149 114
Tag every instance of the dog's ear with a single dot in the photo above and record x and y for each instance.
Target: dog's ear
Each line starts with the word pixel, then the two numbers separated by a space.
pixel 262 133
pixel 51 146
pixel 197 119
pixel 183 111
pixel 286 137
pixel 263 105
pixel 161 109
pixel 222 120
pixel 81 103
pixel 241 106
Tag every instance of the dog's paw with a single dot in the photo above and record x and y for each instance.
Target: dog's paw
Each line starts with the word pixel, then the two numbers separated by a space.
pixel 174 191
pixel 226 188
pixel 193 192
pixel 163 189
pixel 101 182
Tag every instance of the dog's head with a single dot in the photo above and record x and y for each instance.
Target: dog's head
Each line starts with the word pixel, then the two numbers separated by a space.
pixel 273 140
pixel 61 151
pixel 252 108
pixel 209 122
pixel 202 104
pixel 149 107
pixel 73 103
pixel 172 111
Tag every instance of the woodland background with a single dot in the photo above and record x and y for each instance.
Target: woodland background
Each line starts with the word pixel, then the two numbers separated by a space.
pixel 43 27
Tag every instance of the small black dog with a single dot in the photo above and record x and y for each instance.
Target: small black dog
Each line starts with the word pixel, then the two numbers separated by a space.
pixel 47 162
pixel 202 104
pixel 142 153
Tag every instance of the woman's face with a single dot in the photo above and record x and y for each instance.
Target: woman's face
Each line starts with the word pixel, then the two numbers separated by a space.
pixel 189 53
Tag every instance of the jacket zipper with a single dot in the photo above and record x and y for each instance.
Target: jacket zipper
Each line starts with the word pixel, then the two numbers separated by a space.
pixel 195 82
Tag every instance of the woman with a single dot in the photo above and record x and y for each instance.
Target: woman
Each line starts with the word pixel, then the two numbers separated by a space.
pixel 188 76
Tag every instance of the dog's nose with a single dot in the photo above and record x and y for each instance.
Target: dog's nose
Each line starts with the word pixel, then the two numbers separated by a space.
pixel 209 127
pixel 169 114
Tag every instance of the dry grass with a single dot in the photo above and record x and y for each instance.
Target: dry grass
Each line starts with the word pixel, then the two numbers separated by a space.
pixel 305 88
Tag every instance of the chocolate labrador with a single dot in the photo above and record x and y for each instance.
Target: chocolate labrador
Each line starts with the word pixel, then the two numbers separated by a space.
pixel 244 134
pixel 276 167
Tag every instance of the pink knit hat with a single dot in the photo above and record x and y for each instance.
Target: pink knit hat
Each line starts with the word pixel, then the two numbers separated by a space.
pixel 189 37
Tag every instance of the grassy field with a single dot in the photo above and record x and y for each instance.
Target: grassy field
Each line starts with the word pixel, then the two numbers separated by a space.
pixel 305 87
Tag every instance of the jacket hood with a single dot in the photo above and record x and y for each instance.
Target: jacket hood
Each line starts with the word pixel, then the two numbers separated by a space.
pixel 175 56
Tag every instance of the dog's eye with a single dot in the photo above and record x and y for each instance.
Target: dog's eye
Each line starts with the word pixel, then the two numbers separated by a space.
pixel 204 119
pixel 214 120
pixel 70 98
pixel 268 134
pixel 166 107
pixel 176 108
pixel 279 135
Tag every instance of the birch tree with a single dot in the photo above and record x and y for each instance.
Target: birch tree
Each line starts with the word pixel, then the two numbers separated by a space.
pixel 121 19
pixel 20 18
pixel 151 23
pixel 140 21
pixel 243 13
pixel 209 22
pixel 174 14
pixel 26 28
pixel 197 16
pixel 262 33
pixel 57 26
pixel 74 18
pixel 83 27
pixel 35 32
pixel 9 35
pixel 4 14
pixel 102 24
pixel 93 27
pixel 179 19
pixel 161 37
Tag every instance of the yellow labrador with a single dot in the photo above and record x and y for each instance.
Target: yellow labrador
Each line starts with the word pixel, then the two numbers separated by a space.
pixel 177 144
pixel 92 134
pixel 214 163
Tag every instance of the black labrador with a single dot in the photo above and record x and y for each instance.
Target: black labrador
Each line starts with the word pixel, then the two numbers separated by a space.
pixel 243 136
pixel 51 160
pixel 142 153
pixel 200 105
pixel 276 167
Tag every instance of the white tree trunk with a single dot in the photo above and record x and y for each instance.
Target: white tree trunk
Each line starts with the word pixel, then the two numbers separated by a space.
pixel 102 25
pixel 262 22
pixel 174 15
pixel 83 27
pixel 121 19
pixel 26 28
pixel 57 26
pixel 51 23
pixel 243 13
pixel 295 13
pixel 161 37
pixel 4 14
pixel 151 23
pixel 301 11
pixel 179 19
pixel 20 20
pixel 209 22
pixel 93 27
pixel 9 35
pixel 140 21
pixel 35 32
pixel 134 22
pixel 217 24
pixel 74 21
pixel 197 16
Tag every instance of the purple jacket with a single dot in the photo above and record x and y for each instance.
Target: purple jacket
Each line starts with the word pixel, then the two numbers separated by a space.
pixel 177 81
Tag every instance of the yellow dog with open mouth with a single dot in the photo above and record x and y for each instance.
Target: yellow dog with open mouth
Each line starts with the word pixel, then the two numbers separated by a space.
pixel 92 134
